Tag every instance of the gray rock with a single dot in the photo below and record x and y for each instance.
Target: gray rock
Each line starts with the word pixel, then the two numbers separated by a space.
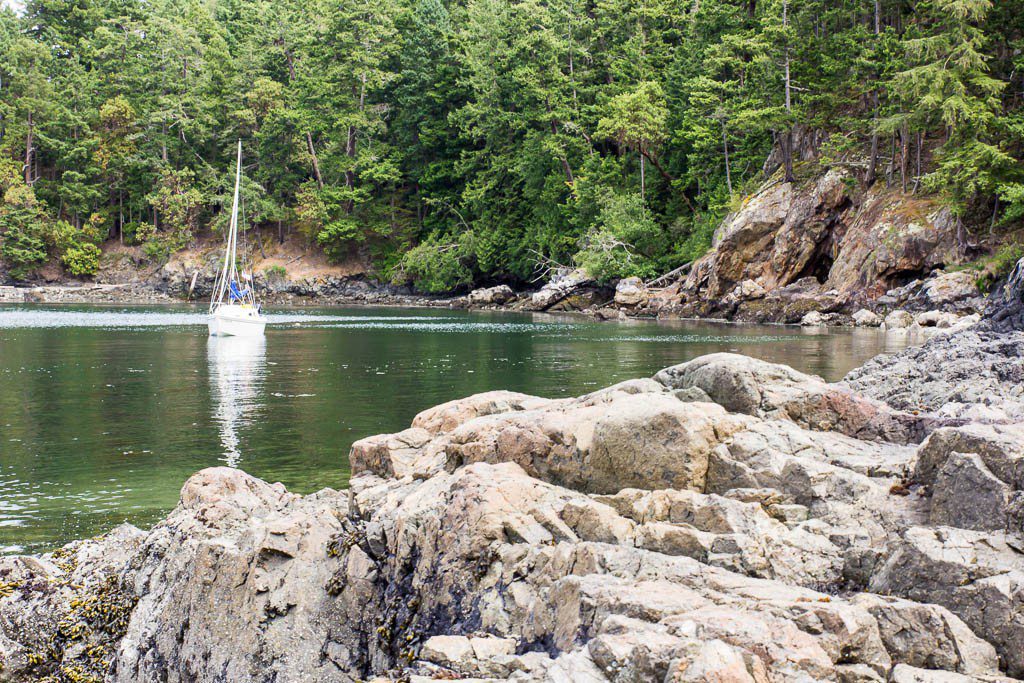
pixel 947 288
pixel 979 576
pixel 866 318
pixel 929 636
pixel 754 387
pixel 967 495
pixel 1000 447
pixel 631 292
pixel 558 289
pixel 501 294
pixel 637 533
pixel 941 319
pixel 898 320
pixel 973 374
pixel 813 319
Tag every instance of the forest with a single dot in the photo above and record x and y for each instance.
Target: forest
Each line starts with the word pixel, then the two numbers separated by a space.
pixel 452 142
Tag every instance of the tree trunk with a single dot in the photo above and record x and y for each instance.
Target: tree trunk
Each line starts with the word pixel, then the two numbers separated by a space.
pixel 554 131
pixel 904 153
pixel 316 161
pixel 725 149
pixel 869 178
pixel 917 172
pixel 642 179
pixel 666 175
pixel 28 151
pixel 350 146
pixel 787 138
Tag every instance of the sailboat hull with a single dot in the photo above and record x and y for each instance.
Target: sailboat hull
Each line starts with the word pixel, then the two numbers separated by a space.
pixel 236 321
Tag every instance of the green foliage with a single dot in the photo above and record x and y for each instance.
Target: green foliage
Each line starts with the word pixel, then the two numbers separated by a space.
pixel 130 232
pixel 82 259
pixel 436 266
pixel 22 249
pixel 337 236
pixel 486 139
pixel 275 272
pixel 22 227
pixel 1004 260
pixel 624 241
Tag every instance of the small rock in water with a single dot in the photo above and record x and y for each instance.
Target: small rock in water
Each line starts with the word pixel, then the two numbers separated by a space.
pixel 866 318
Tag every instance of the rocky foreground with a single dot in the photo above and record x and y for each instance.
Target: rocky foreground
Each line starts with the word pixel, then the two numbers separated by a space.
pixel 728 520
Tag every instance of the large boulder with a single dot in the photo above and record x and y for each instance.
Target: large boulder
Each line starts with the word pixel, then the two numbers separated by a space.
pixel 1000 447
pixel 773 240
pixel 754 387
pixel 646 440
pixel 973 374
pixel 967 495
pixel 490 296
pixel 947 288
pixel 631 292
pixel 447 416
pixel 853 246
pixel 979 576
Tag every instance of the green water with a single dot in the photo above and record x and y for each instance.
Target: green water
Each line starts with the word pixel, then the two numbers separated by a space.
pixel 104 412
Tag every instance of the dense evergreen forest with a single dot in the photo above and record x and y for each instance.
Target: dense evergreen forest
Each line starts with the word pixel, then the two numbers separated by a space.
pixel 458 141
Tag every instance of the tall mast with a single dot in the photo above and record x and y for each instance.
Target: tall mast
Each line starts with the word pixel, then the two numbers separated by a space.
pixel 229 254
pixel 234 210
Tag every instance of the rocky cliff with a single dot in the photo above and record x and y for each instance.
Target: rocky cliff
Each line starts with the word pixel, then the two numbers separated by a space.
pixel 726 520
pixel 825 244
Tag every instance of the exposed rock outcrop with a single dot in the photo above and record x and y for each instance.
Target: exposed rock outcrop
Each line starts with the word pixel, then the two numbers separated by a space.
pixel 728 520
pixel 1006 312
pixel 491 296
pixel 826 245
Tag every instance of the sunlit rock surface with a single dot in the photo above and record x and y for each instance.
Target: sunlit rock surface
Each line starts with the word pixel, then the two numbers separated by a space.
pixel 727 520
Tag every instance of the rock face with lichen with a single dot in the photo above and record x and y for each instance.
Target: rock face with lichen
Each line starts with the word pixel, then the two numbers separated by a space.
pixel 727 520
pixel 825 245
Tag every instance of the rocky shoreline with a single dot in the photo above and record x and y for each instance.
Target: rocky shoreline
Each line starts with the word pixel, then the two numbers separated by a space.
pixel 822 251
pixel 726 520
pixel 944 301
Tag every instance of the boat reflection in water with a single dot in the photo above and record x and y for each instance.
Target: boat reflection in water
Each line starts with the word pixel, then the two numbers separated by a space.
pixel 237 369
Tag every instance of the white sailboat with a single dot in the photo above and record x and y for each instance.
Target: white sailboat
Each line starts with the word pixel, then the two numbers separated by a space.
pixel 234 311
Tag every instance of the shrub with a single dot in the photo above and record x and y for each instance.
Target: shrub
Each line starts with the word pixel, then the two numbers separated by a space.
pixel 336 237
pixel 130 232
pixel 82 259
pixel 22 227
pixel 21 249
pixel 623 241
pixel 435 266
pixel 275 273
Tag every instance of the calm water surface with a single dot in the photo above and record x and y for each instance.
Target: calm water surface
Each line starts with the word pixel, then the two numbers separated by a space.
pixel 104 412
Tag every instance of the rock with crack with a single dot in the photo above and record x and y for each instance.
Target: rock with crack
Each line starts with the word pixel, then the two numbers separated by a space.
pixel 967 495
pixel 754 387
pixel 972 375
pixel 979 576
